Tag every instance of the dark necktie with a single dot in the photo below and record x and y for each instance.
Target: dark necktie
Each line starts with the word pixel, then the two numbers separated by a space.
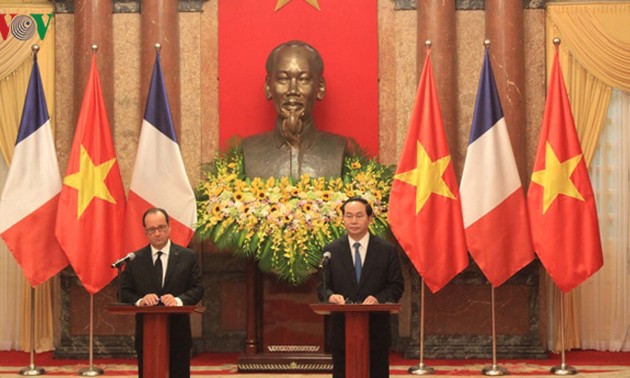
pixel 157 268
pixel 357 260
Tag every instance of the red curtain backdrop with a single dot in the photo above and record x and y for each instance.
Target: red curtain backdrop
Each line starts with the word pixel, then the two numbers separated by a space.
pixel 345 34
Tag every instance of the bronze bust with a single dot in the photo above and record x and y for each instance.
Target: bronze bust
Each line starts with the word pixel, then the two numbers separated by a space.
pixel 295 147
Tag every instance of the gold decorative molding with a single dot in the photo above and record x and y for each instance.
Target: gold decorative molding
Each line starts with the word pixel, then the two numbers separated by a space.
pixel 288 366
pixel 294 348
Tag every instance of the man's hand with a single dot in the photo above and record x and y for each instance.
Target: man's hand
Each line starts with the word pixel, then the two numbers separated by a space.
pixel 336 299
pixel 168 300
pixel 370 300
pixel 149 300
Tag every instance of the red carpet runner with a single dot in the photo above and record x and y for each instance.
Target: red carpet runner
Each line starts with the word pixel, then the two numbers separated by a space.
pixel 588 363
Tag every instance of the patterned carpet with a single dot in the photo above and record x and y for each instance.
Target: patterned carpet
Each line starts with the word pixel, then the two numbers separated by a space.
pixel 588 363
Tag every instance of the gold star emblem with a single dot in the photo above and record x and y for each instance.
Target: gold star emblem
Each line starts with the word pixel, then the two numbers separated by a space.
pixel 556 177
pixel 90 181
pixel 282 3
pixel 427 177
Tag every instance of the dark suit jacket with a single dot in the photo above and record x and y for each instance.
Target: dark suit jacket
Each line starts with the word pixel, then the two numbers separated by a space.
pixel 381 277
pixel 183 280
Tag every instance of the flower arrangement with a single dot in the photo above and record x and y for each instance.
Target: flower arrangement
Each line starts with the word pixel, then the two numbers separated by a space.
pixel 285 223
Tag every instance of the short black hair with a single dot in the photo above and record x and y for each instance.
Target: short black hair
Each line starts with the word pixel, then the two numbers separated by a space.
pixel 368 207
pixel 154 210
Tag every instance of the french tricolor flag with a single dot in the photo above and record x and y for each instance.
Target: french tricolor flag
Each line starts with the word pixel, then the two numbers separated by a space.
pixel 493 202
pixel 159 178
pixel 28 205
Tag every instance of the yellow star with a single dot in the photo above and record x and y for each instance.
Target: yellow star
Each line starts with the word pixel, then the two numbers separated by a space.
pixel 282 3
pixel 427 177
pixel 90 181
pixel 556 177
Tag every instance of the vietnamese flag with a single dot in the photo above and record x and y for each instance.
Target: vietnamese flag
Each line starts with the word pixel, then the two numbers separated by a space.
pixel 345 33
pixel 424 210
pixel 560 198
pixel 92 201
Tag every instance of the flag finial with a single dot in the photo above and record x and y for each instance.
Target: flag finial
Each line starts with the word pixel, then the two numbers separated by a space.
pixel 486 43
pixel 428 43
pixel 35 48
pixel 157 46
pixel 556 43
pixel 94 48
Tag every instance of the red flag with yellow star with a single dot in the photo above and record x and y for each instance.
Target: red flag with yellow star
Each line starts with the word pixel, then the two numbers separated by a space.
pixel 92 202
pixel 424 209
pixel 560 198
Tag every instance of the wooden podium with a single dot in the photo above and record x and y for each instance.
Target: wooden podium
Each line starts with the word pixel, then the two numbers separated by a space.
pixel 155 342
pixel 357 332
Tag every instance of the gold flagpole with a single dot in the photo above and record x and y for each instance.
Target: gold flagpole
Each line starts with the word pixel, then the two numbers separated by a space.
pixel 494 369
pixel 421 369
pixel 32 370
pixel 91 371
pixel 563 369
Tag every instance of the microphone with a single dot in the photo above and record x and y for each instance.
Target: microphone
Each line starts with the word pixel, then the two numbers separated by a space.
pixel 123 260
pixel 327 255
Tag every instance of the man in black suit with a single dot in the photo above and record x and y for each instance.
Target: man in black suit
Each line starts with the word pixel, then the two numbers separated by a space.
pixel 363 268
pixel 166 274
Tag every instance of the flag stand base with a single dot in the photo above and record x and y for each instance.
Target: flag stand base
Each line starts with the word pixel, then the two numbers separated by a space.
pixel 91 372
pixel 32 371
pixel 494 371
pixel 421 369
pixel 563 369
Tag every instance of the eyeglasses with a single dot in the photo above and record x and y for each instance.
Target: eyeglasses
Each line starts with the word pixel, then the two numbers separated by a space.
pixel 152 230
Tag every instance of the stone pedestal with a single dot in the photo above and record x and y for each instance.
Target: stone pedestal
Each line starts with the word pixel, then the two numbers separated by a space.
pixel 458 319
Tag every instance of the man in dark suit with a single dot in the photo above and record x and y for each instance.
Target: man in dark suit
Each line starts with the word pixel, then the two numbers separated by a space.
pixel 163 273
pixel 363 268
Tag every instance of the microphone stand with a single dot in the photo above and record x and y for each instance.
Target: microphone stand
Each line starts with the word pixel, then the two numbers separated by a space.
pixel 119 266
pixel 119 279
pixel 325 278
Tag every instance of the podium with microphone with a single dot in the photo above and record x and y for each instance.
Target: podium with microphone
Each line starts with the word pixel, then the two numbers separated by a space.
pixel 357 332
pixel 155 358
pixel 357 318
